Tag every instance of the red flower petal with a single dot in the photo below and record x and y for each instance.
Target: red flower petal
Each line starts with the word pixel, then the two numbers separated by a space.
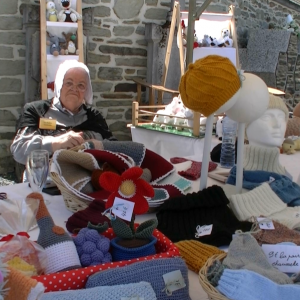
pixel 132 173
pixel 110 181
pixel 144 188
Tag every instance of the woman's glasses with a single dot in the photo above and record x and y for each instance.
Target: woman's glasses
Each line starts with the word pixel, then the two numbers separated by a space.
pixel 70 85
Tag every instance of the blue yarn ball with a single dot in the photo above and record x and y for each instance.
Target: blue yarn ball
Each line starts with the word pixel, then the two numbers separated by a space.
pixel 92 235
pixel 103 245
pixel 84 230
pixel 85 260
pixel 79 240
pixel 79 250
pixel 89 247
pixel 97 256
pixel 107 258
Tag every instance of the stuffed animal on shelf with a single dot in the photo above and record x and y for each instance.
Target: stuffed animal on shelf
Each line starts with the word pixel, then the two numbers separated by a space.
pixel 297 144
pixel 68 14
pixel 225 40
pixel 205 42
pixel 51 11
pixel 288 146
pixel 71 43
pixel 54 42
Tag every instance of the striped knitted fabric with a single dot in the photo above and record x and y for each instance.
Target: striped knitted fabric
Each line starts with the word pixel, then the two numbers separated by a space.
pixel 143 290
pixel 151 271
pixel 59 246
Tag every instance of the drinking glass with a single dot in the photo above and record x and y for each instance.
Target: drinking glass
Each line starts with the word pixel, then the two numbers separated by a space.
pixel 37 167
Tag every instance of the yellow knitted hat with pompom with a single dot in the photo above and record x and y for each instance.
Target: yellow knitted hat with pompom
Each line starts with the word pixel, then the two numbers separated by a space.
pixel 208 84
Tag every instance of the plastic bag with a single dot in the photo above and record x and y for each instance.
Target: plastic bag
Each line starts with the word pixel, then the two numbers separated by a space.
pixel 16 218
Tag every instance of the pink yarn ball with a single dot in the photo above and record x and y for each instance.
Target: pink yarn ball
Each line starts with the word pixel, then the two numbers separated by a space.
pixel 1 277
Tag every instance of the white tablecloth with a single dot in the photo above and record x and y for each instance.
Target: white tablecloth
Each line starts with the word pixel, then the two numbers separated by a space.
pixel 60 214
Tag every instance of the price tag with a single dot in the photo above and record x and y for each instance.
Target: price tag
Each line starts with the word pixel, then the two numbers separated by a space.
pixel 203 230
pixel 132 298
pixel 265 223
pixel 173 282
pixel 123 209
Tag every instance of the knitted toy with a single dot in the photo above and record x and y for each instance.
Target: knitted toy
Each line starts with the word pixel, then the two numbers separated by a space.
pixel 51 11
pixel 225 40
pixel 293 124
pixel 91 246
pixel 288 146
pixel 71 43
pixel 55 44
pixel 56 242
pixel 68 14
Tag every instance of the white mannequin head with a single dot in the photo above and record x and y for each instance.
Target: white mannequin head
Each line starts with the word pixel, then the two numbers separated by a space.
pixel 269 129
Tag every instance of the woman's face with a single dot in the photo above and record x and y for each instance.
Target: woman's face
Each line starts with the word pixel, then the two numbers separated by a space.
pixel 268 130
pixel 73 89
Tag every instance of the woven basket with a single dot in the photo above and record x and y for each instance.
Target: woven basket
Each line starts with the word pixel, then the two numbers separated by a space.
pixel 72 201
pixel 213 293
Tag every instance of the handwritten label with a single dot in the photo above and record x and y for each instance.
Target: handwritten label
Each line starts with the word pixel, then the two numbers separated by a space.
pixel 173 282
pixel 132 298
pixel 265 223
pixel 123 208
pixel 285 258
pixel 203 230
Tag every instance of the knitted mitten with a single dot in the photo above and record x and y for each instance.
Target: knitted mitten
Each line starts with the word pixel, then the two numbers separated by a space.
pixel 59 246
pixel 248 285
pixel 195 253
pixel 194 172
pixel 21 287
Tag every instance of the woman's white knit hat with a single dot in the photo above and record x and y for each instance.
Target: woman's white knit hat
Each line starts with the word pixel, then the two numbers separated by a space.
pixel 61 72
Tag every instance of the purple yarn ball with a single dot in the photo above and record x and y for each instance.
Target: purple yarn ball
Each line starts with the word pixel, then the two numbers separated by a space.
pixel 85 260
pixel 84 230
pixel 107 258
pixel 1 277
pixel 103 245
pixel 92 235
pixel 89 247
pixel 79 250
pixel 79 240
pixel 97 256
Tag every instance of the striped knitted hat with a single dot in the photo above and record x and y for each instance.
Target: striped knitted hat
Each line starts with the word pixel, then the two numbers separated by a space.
pixel 59 246
pixel 195 254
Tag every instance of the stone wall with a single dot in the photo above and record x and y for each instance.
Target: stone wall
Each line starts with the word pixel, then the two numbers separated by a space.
pixel 116 51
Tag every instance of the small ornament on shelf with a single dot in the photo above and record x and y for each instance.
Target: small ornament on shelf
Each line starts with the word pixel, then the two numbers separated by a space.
pixel 68 14
pixel 71 43
pixel 51 11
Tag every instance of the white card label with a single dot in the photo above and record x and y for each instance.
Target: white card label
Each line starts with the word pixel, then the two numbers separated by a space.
pixel 132 298
pixel 203 230
pixel 173 282
pixel 265 223
pixel 123 209
pixel 285 258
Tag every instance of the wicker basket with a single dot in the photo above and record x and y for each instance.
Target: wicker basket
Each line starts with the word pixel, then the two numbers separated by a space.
pixel 213 293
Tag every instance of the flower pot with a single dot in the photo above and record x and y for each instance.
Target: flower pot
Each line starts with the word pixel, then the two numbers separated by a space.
pixel 121 253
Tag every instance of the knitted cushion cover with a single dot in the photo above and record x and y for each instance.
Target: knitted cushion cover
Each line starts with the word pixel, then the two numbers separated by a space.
pixel 151 271
pixel 76 279
pixel 141 289
pixel 179 217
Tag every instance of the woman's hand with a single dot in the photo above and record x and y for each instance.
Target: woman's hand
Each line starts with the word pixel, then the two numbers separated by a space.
pixel 67 140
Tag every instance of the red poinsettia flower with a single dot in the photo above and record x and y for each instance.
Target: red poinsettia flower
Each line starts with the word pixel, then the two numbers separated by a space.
pixel 128 186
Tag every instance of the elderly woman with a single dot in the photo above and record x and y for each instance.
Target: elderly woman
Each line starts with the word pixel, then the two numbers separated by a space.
pixel 65 121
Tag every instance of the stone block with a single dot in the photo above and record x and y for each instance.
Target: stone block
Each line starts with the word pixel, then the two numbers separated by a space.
pixel 102 11
pixel 97 59
pixel 8 7
pixel 10 85
pixel 12 38
pixel 8 100
pixel 12 67
pixel 6 52
pixel 123 30
pixel 101 86
pixel 110 73
pixel 11 23
pixel 156 14
pixel 131 62
pixel 123 51
pixel 127 9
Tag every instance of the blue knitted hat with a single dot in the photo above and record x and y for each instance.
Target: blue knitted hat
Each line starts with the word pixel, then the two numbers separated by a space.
pixel 151 271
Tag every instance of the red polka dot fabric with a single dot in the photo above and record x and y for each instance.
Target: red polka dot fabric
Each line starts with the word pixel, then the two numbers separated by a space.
pixel 76 279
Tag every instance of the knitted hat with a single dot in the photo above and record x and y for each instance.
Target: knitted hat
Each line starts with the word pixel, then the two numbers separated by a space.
pixel 208 84
pixel 140 290
pixel 280 234
pixel 262 159
pixel 195 254
pixel 22 287
pixel 245 253
pixel 261 201
pixel 63 68
pixel 247 285
pixel 296 111
pixel 145 271
pixel 56 242
pixel 293 126
pixel 92 214
pixel 179 217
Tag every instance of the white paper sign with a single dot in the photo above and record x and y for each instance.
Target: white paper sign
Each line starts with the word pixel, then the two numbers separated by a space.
pixel 123 209
pixel 285 258
pixel 203 230
pixel 173 281
pixel 265 223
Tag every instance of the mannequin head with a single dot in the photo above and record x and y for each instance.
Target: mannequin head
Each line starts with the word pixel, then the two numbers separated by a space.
pixel 269 129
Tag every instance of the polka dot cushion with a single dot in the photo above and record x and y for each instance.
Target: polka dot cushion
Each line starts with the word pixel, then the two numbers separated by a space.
pixel 76 279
